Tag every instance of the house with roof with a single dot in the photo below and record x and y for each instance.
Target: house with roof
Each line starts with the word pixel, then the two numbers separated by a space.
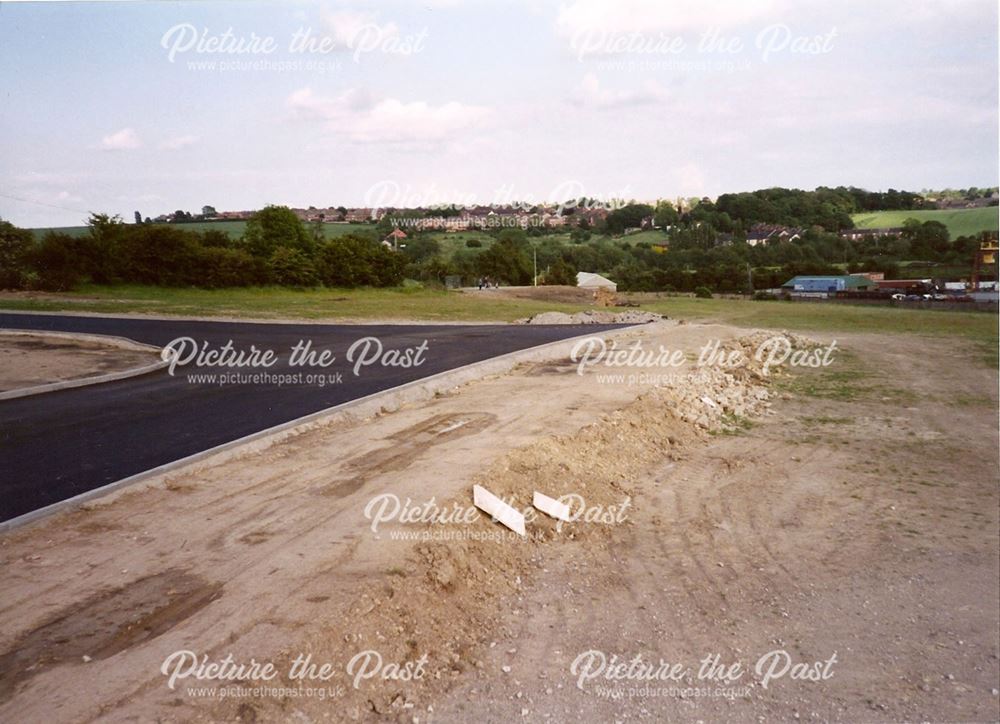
pixel 358 216
pixel 767 233
pixel 859 234
pixel 592 216
pixel 392 240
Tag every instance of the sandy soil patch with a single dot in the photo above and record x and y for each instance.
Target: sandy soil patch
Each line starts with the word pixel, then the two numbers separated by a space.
pixel 38 359
pixel 849 511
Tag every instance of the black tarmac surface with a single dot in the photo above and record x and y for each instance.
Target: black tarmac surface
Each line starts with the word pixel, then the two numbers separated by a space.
pixel 60 444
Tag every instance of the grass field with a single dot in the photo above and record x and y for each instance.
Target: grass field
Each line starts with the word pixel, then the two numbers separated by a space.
pixel 819 317
pixel 960 222
pixel 454 241
pixel 651 236
pixel 440 306
pixel 278 302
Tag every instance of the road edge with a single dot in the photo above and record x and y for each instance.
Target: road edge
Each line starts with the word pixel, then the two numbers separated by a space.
pixel 357 410
pixel 112 340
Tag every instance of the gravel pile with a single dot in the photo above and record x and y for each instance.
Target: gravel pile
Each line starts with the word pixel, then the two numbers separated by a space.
pixel 593 317
pixel 714 396
pixel 710 394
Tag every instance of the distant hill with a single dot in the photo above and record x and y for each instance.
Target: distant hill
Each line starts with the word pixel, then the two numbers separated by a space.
pixel 960 222
pixel 233 228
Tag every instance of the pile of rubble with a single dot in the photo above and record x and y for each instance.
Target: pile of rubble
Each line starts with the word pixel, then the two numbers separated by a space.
pixel 715 396
pixel 711 397
pixel 750 344
pixel 594 317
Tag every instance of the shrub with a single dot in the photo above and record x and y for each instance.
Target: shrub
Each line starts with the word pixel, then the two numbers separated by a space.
pixel 162 255
pixel 229 268
pixel 58 261
pixel 290 267
pixel 560 273
pixel 273 227
pixel 386 267
pixel 15 245
pixel 355 261
pixel 703 293
pixel 473 243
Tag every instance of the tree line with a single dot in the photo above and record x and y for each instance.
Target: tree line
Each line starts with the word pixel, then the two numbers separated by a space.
pixel 694 258
pixel 706 248
pixel 276 248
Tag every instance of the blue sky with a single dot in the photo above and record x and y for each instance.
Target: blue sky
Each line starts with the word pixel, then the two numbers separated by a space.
pixel 483 102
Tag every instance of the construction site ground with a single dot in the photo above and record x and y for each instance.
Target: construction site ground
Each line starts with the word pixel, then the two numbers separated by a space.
pixel 845 514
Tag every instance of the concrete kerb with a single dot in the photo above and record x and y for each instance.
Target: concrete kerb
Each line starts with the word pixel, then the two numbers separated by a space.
pixel 109 340
pixel 354 411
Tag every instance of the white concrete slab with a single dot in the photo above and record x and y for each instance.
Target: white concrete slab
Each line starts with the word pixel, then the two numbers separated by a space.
pixel 497 509
pixel 551 506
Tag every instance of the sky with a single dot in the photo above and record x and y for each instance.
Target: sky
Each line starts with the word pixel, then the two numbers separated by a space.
pixel 118 107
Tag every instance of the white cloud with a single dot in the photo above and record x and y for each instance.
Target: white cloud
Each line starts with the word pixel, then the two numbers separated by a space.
pixel 178 142
pixel 349 27
pixel 68 197
pixel 124 140
pixel 305 104
pixel 590 94
pixel 362 118
pixel 655 16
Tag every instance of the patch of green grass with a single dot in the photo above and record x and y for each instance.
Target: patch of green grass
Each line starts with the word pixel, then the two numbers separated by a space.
pixel 847 380
pixel 977 327
pixel 960 222
pixel 454 241
pixel 280 303
pixel 733 425
pixel 844 385
pixel 969 401
pixel 650 236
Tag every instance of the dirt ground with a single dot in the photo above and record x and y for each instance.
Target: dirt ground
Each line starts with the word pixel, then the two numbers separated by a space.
pixel 31 360
pixel 849 511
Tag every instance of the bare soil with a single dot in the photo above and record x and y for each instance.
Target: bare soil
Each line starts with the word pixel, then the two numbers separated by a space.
pixel 28 361
pixel 849 510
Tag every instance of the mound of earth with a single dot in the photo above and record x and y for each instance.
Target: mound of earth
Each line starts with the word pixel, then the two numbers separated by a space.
pixel 594 317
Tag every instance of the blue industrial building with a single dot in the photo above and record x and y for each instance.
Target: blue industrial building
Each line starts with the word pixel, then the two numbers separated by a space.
pixel 828 284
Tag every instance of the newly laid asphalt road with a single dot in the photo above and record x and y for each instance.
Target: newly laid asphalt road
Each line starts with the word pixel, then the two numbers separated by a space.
pixel 60 444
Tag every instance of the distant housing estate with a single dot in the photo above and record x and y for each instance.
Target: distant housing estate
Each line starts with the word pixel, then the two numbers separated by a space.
pixel 767 233
pixel 859 234
pixel 445 219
